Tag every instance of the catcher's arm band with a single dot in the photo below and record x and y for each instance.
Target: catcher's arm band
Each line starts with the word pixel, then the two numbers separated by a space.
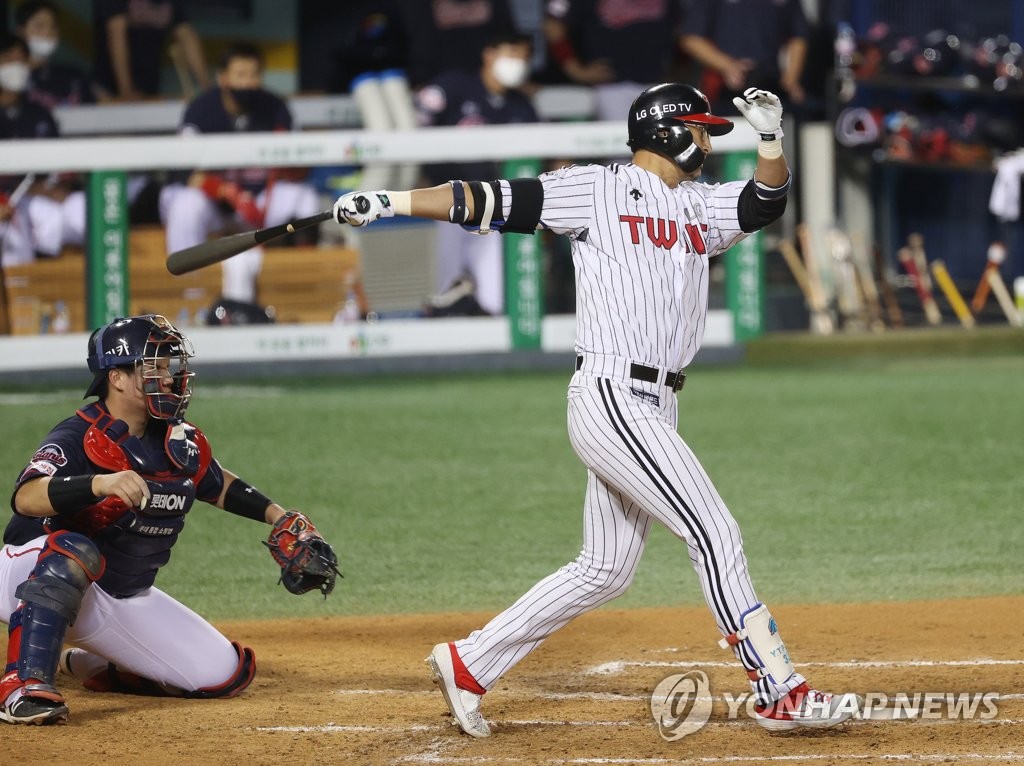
pixel 307 561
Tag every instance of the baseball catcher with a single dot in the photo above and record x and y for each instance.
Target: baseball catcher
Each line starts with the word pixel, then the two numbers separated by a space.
pixel 97 511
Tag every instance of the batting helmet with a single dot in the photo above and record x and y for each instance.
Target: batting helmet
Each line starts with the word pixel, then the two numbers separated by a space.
pixel 156 346
pixel 658 118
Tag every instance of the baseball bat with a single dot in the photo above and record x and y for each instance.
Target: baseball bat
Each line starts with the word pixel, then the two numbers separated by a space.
pixel 821 318
pixel 948 288
pixel 996 255
pixel 892 306
pixel 866 281
pixel 931 309
pixel 217 250
pixel 796 268
pixel 995 280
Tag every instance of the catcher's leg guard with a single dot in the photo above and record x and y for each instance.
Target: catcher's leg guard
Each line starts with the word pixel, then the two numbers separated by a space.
pixel 50 600
pixel 760 636
pixel 240 679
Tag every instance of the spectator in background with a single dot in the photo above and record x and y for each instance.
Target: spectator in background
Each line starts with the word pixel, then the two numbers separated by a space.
pixel 338 42
pixel 250 198
pixel 490 96
pixel 618 46
pixel 37 217
pixel 129 42
pixel 446 35
pixel 740 43
pixel 50 84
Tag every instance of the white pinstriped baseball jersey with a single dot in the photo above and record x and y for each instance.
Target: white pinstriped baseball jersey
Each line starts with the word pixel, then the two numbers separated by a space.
pixel 641 253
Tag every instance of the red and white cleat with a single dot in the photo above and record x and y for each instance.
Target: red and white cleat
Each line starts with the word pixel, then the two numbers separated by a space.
pixel 805 707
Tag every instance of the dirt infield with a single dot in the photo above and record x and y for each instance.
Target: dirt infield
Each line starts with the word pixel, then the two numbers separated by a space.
pixel 356 691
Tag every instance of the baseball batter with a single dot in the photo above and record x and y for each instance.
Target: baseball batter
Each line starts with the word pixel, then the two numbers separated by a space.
pixel 97 511
pixel 642 235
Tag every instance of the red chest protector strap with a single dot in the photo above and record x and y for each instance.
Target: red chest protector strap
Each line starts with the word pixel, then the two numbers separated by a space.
pixel 109 445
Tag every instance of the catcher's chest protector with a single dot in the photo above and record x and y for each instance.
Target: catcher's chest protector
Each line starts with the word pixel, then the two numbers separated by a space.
pixel 137 542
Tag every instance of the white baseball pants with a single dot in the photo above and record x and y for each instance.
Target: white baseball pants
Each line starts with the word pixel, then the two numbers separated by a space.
pixel 151 634
pixel 639 471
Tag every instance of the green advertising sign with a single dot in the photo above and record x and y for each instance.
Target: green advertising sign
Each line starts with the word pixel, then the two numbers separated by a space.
pixel 107 255
pixel 524 282
pixel 744 264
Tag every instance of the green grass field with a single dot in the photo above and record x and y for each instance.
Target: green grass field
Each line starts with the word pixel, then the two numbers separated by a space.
pixel 869 477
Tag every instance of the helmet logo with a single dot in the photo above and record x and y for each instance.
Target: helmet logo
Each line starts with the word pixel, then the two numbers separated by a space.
pixel 121 349
pixel 660 110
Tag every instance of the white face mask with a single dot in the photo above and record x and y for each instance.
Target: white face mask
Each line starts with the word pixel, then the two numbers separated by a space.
pixel 14 76
pixel 42 47
pixel 510 71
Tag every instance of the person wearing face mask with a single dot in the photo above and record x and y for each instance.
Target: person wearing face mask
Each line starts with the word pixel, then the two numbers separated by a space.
pixel 490 96
pixel 51 83
pixel 38 217
pixel 246 199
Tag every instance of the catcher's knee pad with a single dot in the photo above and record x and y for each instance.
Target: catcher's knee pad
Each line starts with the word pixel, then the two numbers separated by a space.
pixel 762 643
pixel 239 680
pixel 68 564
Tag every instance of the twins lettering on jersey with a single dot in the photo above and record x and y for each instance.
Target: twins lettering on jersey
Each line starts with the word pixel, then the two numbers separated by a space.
pixel 663 233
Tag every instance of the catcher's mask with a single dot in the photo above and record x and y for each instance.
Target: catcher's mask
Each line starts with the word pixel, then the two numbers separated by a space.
pixel 154 346
pixel 658 118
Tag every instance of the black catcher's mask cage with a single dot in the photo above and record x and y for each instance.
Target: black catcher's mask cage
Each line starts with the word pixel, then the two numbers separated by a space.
pixel 157 349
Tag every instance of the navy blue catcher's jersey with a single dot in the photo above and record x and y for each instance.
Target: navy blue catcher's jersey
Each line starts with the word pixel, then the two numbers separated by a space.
pixel 134 552
pixel 460 98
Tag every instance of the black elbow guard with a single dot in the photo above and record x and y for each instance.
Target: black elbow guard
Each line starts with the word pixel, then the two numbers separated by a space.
pixel 759 205
pixel 526 203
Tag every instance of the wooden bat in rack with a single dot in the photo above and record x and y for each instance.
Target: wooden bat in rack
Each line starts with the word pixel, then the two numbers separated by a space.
pixel 217 250
pixel 796 268
pixel 821 319
pixel 948 288
pixel 916 265
pixel 892 306
pixel 995 257
pixel 866 281
pixel 995 280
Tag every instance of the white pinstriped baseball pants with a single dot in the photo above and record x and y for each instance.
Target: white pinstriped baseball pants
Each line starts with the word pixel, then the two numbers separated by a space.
pixel 639 470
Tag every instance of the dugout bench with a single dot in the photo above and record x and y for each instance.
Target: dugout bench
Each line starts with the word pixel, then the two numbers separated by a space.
pixel 302 284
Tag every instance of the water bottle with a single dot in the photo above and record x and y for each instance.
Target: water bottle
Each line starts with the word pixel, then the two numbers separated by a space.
pixel 61 318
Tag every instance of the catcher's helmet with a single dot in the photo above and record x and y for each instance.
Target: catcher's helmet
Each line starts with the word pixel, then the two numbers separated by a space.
pixel 143 341
pixel 657 122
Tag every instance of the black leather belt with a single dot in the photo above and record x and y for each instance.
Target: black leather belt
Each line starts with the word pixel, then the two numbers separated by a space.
pixel 674 380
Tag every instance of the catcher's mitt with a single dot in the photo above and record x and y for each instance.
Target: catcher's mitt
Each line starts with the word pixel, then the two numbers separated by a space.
pixel 307 561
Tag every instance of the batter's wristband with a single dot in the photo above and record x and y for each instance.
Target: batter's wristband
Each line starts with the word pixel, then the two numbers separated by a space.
pixel 770 150
pixel 243 499
pixel 70 494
